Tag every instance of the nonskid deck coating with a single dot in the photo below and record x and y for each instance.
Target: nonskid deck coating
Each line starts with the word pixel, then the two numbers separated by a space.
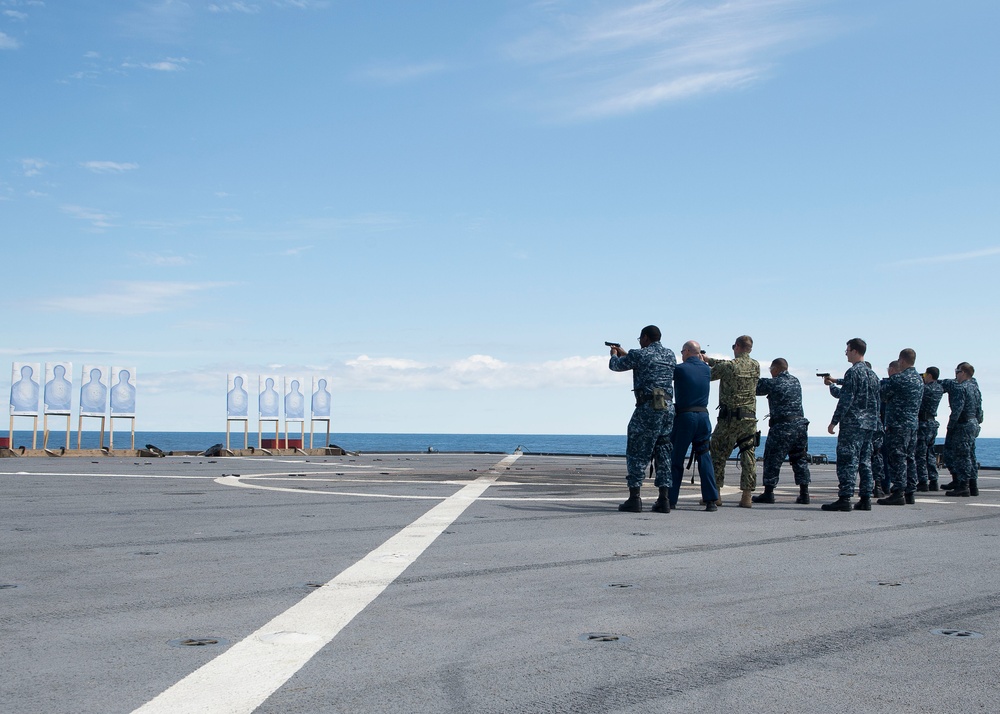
pixel 784 606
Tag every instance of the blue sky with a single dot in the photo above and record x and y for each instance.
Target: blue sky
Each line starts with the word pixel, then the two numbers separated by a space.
pixel 447 207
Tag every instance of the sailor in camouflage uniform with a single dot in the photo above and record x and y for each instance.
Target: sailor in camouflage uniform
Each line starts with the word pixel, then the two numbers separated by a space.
pixel 902 394
pixel 963 427
pixel 736 426
pixel 788 431
pixel 927 431
pixel 857 414
pixel 653 419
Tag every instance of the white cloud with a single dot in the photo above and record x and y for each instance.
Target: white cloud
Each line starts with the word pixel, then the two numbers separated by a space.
pixel 132 298
pixel 949 258
pixel 98 219
pixel 394 74
pixel 7 42
pixel 16 15
pixel 170 64
pixel 474 372
pixel 621 57
pixel 109 167
pixel 247 8
pixel 33 167
pixel 162 261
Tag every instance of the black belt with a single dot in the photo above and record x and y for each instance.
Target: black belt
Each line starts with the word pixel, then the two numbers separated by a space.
pixel 784 420
pixel 687 410
pixel 738 413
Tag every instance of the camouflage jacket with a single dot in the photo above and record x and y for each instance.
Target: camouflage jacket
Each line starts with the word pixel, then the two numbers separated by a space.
pixel 965 400
pixel 858 401
pixel 902 394
pixel 933 392
pixel 737 381
pixel 651 367
pixel 784 397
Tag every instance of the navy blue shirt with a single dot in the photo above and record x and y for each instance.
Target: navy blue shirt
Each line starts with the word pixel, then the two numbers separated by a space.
pixel 692 381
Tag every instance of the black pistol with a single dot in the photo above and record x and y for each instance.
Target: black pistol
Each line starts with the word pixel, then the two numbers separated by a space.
pixel 612 344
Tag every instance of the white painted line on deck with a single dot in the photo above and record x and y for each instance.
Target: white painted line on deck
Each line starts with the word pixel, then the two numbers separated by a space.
pixel 240 679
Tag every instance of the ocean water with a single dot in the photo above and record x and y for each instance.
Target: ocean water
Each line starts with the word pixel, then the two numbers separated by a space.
pixel 987 450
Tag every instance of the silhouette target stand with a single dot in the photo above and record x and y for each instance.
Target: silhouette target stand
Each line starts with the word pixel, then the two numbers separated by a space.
pixel 268 407
pixel 57 397
pixel 320 407
pixel 237 406
pixel 122 400
pixel 25 393
pixel 94 382
pixel 295 408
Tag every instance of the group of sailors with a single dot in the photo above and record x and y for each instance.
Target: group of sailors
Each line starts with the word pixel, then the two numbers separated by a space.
pixel 885 443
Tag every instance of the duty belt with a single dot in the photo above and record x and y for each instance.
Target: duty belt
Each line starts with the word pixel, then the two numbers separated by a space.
pixel 738 413
pixel 784 419
pixel 687 410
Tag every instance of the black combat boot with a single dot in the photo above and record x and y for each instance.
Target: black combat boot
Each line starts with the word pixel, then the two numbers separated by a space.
pixel 950 485
pixel 922 486
pixel 910 499
pixel 932 485
pixel 973 487
pixel 633 504
pixel 841 504
pixel 766 497
pixel 803 494
pixel 895 498
pixel 864 504
pixel 960 490
pixel 877 489
pixel 662 504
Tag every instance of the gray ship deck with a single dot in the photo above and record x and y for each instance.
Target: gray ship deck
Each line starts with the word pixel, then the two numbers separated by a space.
pixel 479 583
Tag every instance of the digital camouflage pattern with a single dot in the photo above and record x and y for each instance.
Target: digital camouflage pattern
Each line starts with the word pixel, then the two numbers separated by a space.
pixel 648 435
pixel 902 394
pixel 927 432
pixel 787 435
pixel 966 403
pixel 857 413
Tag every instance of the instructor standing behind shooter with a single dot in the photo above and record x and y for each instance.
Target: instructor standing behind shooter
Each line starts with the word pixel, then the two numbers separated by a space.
pixel 737 423
pixel 653 419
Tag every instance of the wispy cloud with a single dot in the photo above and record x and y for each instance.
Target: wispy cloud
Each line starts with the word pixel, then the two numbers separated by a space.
pixel 622 57
pixel 98 219
pixel 162 260
pixel 7 42
pixel 109 167
pixel 949 258
pixel 16 15
pixel 396 74
pixel 473 372
pixel 33 167
pixel 132 298
pixel 170 64
pixel 244 7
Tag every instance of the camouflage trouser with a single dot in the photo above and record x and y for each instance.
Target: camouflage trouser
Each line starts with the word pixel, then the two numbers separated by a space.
pixel 901 449
pixel 854 457
pixel 878 460
pixel 926 458
pixel 789 439
pixel 649 440
pixel 961 451
pixel 728 435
